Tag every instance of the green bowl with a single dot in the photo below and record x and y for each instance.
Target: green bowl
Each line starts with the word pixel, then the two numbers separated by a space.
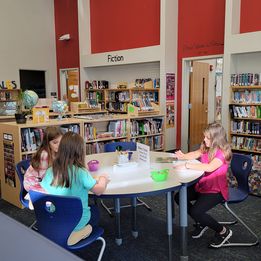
pixel 159 175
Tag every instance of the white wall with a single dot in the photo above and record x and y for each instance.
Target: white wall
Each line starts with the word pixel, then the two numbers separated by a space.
pixel 27 40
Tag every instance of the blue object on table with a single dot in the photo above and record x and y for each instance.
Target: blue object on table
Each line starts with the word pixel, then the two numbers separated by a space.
pixel 112 146
pixel 241 166
pixel 58 224
pixel 21 168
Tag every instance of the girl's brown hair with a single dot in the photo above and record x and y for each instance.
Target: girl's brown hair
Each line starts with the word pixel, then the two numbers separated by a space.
pixel 50 133
pixel 70 157
pixel 218 140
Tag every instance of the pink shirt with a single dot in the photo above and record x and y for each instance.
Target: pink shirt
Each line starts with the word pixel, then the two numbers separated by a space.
pixel 33 177
pixel 216 181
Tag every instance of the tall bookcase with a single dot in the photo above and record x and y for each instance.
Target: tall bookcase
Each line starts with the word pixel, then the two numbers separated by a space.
pixel 245 123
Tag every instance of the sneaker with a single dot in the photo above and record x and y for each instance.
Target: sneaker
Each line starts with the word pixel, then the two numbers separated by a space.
pixel 199 231
pixel 220 240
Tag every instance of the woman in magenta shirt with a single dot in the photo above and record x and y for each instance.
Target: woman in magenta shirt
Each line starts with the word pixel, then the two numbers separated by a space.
pixel 212 189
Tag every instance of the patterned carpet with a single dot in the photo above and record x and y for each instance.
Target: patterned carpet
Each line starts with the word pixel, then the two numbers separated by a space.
pixel 152 242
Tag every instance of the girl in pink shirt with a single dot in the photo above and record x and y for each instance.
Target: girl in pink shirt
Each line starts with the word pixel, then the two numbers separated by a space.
pixel 42 159
pixel 212 189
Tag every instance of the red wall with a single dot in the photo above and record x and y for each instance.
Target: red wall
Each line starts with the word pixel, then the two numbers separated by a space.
pixel 124 24
pixel 250 20
pixel 66 22
pixel 200 33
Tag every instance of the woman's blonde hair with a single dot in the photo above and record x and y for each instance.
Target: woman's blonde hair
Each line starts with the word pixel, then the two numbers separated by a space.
pixel 218 140
pixel 70 157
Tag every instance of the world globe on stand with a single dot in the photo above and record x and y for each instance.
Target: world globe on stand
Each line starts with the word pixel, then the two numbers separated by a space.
pixel 30 99
pixel 59 107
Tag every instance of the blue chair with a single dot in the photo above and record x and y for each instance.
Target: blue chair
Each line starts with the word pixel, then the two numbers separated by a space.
pixel 56 221
pixel 113 146
pixel 241 166
pixel 122 146
pixel 21 168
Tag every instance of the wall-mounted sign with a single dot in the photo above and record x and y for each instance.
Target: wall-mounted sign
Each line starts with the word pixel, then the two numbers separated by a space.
pixel 8 85
pixel 114 58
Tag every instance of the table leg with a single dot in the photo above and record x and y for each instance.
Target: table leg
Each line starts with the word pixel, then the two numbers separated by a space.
pixel 117 209
pixel 183 222
pixel 169 222
pixel 134 217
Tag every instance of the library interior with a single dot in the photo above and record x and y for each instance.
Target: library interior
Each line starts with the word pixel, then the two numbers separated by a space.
pixel 130 130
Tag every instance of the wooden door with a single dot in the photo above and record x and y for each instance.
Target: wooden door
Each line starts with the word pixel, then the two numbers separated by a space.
pixel 198 99
pixel 73 86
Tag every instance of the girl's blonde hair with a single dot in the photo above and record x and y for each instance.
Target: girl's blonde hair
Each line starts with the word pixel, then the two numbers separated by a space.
pixel 50 133
pixel 218 140
pixel 70 157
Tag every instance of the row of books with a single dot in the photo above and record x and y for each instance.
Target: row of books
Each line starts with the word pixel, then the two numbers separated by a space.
pixel 155 142
pixel 144 104
pixel 114 129
pixel 245 111
pixel 146 127
pixel 246 127
pixel 148 82
pixel 31 138
pixel 257 164
pixel 246 143
pixel 246 96
pixel 96 147
pixel 119 95
pixel 245 79
pixel 94 95
pixel 117 106
pixel 152 96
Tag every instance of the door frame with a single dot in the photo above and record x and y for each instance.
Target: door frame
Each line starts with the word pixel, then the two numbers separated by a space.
pixel 62 75
pixel 186 64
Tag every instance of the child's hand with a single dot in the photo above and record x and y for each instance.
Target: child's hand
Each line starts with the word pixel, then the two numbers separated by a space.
pixel 179 155
pixel 105 178
pixel 179 166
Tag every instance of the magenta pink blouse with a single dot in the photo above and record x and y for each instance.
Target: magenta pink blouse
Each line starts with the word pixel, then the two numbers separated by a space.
pixel 216 181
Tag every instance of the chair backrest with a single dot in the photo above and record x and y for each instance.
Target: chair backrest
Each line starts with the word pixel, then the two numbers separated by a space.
pixel 241 166
pixel 56 216
pixel 125 145
pixel 21 168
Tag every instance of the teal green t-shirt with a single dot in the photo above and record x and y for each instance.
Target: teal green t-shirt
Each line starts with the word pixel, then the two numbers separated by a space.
pixel 79 188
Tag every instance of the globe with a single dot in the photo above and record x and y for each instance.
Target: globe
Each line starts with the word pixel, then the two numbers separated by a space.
pixel 59 107
pixel 30 99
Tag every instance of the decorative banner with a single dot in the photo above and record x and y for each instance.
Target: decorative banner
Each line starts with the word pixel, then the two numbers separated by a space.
pixel 170 86
pixel 170 97
pixel 170 114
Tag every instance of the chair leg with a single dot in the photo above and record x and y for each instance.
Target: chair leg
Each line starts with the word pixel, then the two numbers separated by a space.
pixel 106 208
pixel 256 242
pixel 33 226
pixel 144 204
pixel 102 248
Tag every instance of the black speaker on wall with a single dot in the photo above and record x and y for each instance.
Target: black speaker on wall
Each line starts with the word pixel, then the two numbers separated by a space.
pixel 33 80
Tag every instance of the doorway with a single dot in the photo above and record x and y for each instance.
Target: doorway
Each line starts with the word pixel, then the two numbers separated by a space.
pixel 201 98
pixel 69 82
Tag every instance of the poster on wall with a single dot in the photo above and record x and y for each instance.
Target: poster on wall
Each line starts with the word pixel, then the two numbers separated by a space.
pixel 170 114
pixel 170 86
pixel 170 100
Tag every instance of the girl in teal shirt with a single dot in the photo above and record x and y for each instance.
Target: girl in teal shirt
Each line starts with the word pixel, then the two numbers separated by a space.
pixel 69 177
